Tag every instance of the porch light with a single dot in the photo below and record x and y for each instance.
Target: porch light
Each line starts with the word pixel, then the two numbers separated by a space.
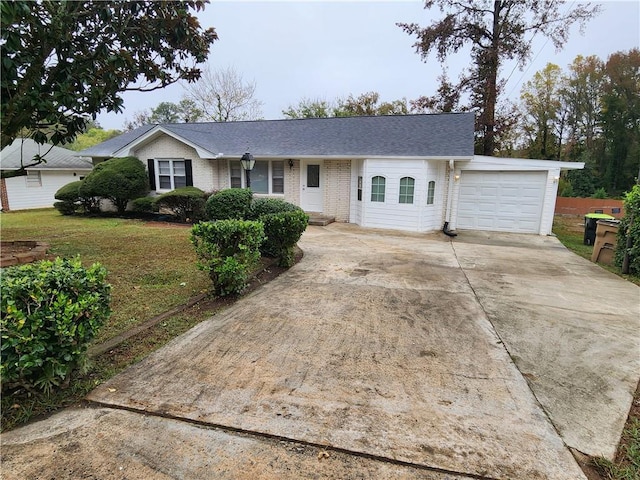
pixel 247 161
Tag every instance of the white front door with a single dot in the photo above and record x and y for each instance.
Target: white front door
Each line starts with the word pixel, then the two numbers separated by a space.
pixel 311 193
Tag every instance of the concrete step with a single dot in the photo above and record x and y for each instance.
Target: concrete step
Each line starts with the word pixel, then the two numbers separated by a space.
pixel 317 219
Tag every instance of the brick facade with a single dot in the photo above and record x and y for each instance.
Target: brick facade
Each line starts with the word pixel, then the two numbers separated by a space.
pixel 337 192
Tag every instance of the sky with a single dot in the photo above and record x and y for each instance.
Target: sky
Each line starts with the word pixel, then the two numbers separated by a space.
pixel 329 49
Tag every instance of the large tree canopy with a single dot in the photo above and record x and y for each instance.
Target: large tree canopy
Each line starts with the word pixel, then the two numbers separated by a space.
pixel 64 62
pixel 364 104
pixel 496 31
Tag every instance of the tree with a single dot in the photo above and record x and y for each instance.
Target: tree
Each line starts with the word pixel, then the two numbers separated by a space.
pixel 496 31
pixel 167 112
pixel 224 96
pixel 542 112
pixel 91 137
pixel 309 108
pixel 621 120
pixel 118 180
pixel 64 62
pixel 364 104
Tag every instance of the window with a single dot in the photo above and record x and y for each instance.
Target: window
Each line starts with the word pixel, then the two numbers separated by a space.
pixel 33 179
pixel 431 192
pixel 377 189
pixel 267 176
pixel 359 189
pixel 313 176
pixel 171 174
pixel 406 189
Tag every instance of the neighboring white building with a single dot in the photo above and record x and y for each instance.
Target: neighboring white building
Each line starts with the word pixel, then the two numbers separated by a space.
pixel 37 188
pixel 406 172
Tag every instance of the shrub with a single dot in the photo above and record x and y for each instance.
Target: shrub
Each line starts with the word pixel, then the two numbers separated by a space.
pixel 232 203
pixel 65 208
pixel 69 197
pixel 118 180
pixel 599 193
pixel 144 205
pixel 283 230
pixel 50 311
pixel 185 202
pixel 263 206
pixel 629 231
pixel 228 250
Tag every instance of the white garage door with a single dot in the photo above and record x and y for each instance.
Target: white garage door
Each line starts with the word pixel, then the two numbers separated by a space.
pixel 501 201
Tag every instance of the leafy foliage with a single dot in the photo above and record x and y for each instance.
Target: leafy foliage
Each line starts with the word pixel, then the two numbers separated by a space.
pixel 91 137
pixel 64 62
pixel 144 205
pixel 264 206
pixel 628 240
pixel 118 180
pixel 50 311
pixel 231 203
pixel 71 200
pixel 228 250
pixel 283 230
pixel 185 202
pixel 167 112
pixel 497 31
pixel 365 104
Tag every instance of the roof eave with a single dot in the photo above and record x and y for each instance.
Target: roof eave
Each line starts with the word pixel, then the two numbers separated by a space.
pixel 128 149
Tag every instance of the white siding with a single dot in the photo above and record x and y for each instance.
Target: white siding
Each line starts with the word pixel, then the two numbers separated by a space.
pixel 357 170
pixel 21 196
pixel 391 213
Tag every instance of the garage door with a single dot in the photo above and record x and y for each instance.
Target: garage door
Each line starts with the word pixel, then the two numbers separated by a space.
pixel 501 201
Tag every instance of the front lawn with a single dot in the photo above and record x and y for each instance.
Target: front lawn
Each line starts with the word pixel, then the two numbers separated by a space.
pixel 152 267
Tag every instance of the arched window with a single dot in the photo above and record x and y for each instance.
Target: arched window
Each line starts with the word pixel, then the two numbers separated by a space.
pixel 407 185
pixel 377 189
pixel 431 191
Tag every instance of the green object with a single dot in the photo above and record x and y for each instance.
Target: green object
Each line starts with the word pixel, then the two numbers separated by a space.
pixel 599 216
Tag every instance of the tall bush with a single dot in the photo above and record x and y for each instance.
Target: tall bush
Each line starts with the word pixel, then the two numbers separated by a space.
pixel 185 202
pixel 232 203
pixel 118 180
pixel 283 230
pixel 628 240
pixel 228 250
pixel 50 312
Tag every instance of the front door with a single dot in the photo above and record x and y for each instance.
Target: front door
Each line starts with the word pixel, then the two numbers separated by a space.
pixel 311 194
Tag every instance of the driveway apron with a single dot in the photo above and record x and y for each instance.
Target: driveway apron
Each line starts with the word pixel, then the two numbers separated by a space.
pixel 374 344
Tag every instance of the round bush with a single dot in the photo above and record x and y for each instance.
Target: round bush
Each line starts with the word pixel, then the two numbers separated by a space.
pixel 65 208
pixel 232 203
pixel 283 230
pixel 187 203
pixel 144 205
pixel 265 206
pixel 69 192
pixel 50 312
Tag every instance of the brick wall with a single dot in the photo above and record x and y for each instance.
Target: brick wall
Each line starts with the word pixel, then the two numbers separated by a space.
pixel 582 206
pixel 337 194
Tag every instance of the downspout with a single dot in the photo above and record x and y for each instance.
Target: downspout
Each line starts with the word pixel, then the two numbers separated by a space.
pixel 447 213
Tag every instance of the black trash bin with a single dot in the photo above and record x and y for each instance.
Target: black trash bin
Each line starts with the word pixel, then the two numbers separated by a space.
pixel 590 225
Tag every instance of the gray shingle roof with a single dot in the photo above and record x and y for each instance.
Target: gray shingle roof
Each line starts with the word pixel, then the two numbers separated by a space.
pixel 393 135
pixel 57 158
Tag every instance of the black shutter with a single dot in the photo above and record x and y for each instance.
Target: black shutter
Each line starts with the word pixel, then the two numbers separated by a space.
pixel 152 173
pixel 189 172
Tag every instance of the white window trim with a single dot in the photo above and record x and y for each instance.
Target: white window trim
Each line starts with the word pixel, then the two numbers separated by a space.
pixel 33 178
pixel 413 195
pixel 243 177
pixel 384 195
pixel 157 172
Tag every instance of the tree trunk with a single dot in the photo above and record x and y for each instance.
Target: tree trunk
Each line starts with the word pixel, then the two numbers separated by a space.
pixel 492 83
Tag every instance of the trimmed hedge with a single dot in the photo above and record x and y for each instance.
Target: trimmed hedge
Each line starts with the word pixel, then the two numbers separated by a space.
pixel 232 203
pixel 264 206
pixel 50 312
pixel 144 205
pixel 629 230
pixel 228 250
pixel 118 180
pixel 187 203
pixel 283 230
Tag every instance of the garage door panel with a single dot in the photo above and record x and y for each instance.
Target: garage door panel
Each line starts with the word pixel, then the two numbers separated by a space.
pixel 501 201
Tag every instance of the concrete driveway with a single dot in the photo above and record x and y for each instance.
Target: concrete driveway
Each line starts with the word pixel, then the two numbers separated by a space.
pixel 380 355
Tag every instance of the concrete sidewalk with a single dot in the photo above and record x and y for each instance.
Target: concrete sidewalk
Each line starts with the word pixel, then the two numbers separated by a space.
pixel 380 355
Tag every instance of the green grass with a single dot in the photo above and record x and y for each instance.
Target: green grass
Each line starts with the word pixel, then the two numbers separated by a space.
pixel 151 268
pixel 627 464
